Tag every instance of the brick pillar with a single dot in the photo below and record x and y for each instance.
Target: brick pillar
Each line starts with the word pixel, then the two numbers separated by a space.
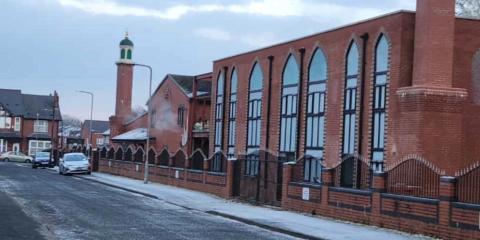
pixel 287 178
pixel 378 187
pixel 327 181
pixel 434 30
pixel 205 169
pixel 447 196
pixel 230 175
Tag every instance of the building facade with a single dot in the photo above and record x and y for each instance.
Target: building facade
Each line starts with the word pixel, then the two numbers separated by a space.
pixel 28 123
pixel 180 108
pixel 377 92
pixel 98 129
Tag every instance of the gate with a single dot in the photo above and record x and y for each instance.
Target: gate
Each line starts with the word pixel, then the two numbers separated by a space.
pixel 258 178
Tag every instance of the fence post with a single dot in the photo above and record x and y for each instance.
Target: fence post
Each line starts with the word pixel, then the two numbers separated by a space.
pixel 230 175
pixel 327 181
pixel 378 187
pixel 287 178
pixel 447 195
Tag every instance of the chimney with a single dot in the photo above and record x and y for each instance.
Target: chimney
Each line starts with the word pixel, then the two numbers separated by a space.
pixel 434 40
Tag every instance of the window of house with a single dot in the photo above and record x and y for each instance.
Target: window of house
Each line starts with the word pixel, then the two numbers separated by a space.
pixel 216 167
pixel 181 116
pixel 379 99
pixel 232 115
pixel 99 141
pixel 40 126
pixel 254 120
pixel 17 124
pixel 288 114
pixel 350 101
pixel 35 146
pixel 315 130
pixel 5 119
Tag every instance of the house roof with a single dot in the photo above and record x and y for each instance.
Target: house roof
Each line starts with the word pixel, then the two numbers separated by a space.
pixel 137 134
pixel 185 83
pixel 28 105
pixel 97 125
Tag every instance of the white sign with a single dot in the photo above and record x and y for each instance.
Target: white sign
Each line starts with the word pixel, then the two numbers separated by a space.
pixel 109 163
pixel 306 193
pixel 177 174
pixel 136 168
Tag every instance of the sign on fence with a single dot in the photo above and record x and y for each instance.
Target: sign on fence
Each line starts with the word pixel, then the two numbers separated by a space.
pixel 177 174
pixel 306 193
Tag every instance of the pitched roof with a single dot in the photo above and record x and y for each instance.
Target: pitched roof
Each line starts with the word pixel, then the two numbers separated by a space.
pixel 28 105
pixel 97 125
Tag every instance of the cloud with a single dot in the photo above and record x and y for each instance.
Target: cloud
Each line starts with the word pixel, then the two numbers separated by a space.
pixel 213 34
pixel 274 8
pixel 250 39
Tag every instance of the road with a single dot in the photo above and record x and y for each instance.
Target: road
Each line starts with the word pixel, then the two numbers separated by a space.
pixel 41 204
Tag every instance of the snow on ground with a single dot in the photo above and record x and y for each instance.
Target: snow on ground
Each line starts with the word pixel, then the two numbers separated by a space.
pixel 309 225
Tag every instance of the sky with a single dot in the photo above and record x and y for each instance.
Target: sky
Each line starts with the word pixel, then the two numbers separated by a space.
pixel 69 45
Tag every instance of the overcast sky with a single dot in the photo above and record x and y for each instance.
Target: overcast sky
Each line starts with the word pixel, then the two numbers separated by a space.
pixel 66 45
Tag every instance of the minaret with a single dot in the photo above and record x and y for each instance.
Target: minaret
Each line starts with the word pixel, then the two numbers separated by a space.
pixel 123 104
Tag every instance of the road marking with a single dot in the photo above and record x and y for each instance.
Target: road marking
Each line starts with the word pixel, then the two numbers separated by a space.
pixel 20 165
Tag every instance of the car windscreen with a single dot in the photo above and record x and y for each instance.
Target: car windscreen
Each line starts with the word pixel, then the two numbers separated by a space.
pixel 42 154
pixel 75 158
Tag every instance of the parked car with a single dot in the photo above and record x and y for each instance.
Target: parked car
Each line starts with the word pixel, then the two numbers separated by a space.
pixel 15 157
pixel 42 159
pixel 74 163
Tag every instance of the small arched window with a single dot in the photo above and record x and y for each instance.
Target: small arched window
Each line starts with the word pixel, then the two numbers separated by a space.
pixel 254 120
pixel 122 54
pixel 350 100
pixel 232 114
pixel 181 116
pixel 379 103
pixel 216 164
pixel 288 114
pixel 129 54
pixel 315 130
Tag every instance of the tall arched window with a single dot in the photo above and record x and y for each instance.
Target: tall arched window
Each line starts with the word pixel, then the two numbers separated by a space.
pixel 122 54
pixel 379 100
pixel 288 114
pixel 350 101
pixel 476 78
pixel 232 115
pixel 129 54
pixel 216 165
pixel 254 119
pixel 315 130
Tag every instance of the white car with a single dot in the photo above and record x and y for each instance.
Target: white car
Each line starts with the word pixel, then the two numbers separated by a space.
pixel 15 157
pixel 74 163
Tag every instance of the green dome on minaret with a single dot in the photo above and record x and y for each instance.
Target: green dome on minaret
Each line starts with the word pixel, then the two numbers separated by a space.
pixel 126 41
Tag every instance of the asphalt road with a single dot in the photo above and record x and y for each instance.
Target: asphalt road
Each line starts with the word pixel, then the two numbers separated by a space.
pixel 41 204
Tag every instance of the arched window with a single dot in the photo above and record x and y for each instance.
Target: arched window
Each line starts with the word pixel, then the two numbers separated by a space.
pixel 218 121
pixel 288 114
pixel 350 101
pixel 232 114
pixel 254 119
pixel 122 54
pixel 315 130
pixel 129 54
pixel 181 116
pixel 379 100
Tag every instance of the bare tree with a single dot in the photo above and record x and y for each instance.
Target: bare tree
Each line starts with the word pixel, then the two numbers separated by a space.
pixel 468 8
pixel 71 121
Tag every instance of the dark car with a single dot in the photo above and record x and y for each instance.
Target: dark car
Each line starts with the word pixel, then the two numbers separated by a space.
pixel 42 159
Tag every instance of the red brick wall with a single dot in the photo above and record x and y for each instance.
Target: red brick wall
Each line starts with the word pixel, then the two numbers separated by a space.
pixel 123 103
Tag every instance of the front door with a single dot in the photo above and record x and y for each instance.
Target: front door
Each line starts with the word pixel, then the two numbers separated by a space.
pixel 16 147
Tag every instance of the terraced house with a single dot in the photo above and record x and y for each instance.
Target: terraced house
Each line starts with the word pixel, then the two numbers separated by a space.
pixel 28 123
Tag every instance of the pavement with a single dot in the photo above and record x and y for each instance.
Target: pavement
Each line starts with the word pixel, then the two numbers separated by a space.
pixel 41 204
pixel 291 223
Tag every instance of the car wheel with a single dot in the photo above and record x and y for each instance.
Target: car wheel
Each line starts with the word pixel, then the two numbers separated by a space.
pixel 34 166
pixel 89 173
pixel 6 160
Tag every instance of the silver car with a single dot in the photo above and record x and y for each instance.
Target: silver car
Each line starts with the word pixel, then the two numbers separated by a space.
pixel 15 157
pixel 73 163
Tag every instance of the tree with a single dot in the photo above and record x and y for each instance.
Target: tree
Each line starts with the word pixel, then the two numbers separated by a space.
pixel 71 121
pixel 468 8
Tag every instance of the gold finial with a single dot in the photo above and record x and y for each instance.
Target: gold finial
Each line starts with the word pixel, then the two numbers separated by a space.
pixel 126 34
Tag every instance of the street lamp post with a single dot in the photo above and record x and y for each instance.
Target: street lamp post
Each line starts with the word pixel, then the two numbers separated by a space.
pixel 89 144
pixel 149 112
